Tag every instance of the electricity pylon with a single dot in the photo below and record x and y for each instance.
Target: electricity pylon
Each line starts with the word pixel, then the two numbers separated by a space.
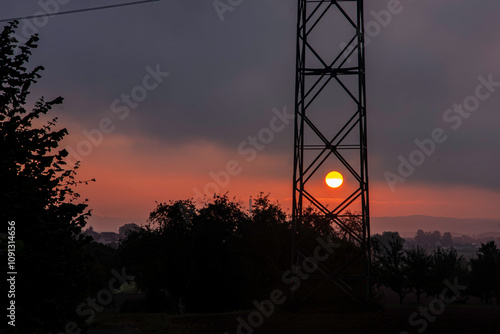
pixel 330 133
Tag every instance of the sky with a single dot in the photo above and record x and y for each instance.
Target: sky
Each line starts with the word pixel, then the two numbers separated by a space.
pixel 162 101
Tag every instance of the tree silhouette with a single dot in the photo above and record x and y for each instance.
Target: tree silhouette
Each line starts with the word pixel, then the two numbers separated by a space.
pixel 37 193
pixel 218 281
pixel 161 254
pixel 428 240
pixel 446 239
pixel 421 238
pixel 389 267
pixel 313 220
pixel 265 242
pixel 418 264
pixel 445 265
pixel 353 226
pixel 123 230
pixel 434 238
pixel 214 258
pixel 485 273
pixel 192 255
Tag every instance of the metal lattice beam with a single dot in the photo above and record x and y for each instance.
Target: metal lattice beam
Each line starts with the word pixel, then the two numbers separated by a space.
pixel 334 76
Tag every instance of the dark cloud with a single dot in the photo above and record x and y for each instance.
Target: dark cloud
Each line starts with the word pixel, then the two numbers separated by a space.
pixel 226 77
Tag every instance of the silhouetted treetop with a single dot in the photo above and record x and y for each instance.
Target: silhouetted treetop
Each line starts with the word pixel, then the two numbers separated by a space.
pixel 38 194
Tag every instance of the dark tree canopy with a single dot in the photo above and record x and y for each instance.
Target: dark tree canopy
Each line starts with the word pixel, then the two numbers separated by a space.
pixel 418 264
pixel 37 193
pixel 389 265
pixel 485 275
pixel 446 264
pixel 214 258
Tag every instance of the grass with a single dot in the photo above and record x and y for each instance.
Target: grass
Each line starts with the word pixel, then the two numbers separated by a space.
pixel 150 323
pixel 392 319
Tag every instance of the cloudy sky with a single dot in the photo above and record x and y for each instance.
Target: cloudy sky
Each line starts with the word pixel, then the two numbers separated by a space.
pixel 164 97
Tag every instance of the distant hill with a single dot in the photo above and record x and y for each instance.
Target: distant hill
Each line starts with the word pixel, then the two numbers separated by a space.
pixel 408 226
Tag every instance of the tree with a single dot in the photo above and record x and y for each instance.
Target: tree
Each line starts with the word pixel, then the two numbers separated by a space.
pixel 123 230
pixel 421 238
pixel 265 243
pixel 446 239
pixel 352 227
pixel 485 273
pixel 314 222
pixel 38 194
pixel 214 258
pixel 195 256
pixel 433 238
pixel 427 240
pixel 445 265
pixel 418 264
pixel 161 254
pixel 389 265
pixel 102 260
pixel 91 233
pixel 345 227
pixel 219 281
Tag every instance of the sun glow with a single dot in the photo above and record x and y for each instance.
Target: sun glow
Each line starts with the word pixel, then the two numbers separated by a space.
pixel 334 179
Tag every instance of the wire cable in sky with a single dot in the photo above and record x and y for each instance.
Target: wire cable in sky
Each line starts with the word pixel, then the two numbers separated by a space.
pixel 79 10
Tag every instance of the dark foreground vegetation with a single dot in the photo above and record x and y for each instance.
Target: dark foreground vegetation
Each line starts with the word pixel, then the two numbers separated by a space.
pixel 219 258
pixel 189 262
pixel 392 319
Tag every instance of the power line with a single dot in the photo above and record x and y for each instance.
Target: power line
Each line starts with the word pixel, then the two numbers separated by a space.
pixel 79 10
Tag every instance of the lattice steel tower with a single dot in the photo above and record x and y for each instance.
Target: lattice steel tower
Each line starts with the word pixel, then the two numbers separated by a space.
pixel 330 134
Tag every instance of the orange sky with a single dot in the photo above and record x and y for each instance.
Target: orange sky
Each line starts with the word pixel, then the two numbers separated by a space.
pixel 134 172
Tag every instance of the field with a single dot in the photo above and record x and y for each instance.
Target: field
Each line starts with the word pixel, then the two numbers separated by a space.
pixel 390 319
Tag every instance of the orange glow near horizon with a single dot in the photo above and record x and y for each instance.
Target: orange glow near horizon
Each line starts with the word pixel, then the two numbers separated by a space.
pixel 141 172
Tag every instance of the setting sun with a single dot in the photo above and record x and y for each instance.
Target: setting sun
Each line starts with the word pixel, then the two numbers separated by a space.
pixel 334 179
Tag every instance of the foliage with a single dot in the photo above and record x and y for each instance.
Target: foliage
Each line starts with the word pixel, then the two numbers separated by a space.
pixel 418 268
pixel 389 265
pixel 446 239
pixel 220 258
pixel 265 241
pixel 38 194
pixel 101 260
pixel 351 222
pixel 485 273
pixel 428 239
pixel 314 220
pixel 207 258
pixel 123 230
pixel 347 227
pixel 446 265
pixel 414 270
